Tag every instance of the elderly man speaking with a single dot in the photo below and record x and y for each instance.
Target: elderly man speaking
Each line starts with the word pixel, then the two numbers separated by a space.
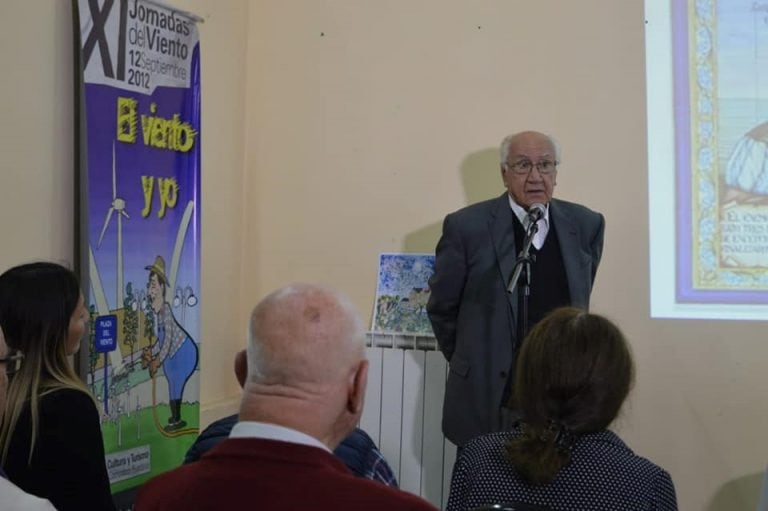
pixel 304 394
pixel 478 324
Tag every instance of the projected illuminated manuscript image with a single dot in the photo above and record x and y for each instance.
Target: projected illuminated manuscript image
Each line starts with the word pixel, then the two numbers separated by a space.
pixel 720 59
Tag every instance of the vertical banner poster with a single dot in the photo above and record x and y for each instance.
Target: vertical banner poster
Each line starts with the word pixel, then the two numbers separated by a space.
pixel 140 229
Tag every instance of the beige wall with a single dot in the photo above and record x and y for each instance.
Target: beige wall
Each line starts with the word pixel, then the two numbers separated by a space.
pixel 223 54
pixel 336 130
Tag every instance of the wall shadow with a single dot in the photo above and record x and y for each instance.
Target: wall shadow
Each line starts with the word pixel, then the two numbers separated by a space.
pixel 740 494
pixel 481 179
pixel 480 176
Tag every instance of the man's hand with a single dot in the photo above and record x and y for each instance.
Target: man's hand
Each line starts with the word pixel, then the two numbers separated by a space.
pixel 148 361
pixel 146 357
pixel 153 365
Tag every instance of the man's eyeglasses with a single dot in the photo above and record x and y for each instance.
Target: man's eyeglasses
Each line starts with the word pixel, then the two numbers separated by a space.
pixel 524 167
pixel 12 361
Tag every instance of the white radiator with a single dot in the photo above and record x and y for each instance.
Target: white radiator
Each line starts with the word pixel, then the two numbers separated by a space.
pixel 403 411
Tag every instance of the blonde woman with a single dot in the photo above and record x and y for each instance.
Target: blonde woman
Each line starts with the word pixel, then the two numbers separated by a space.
pixel 50 438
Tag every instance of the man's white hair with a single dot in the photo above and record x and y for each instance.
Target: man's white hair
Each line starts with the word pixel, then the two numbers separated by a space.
pixel 507 142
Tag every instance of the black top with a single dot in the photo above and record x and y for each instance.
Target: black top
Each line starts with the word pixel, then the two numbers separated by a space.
pixel 68 466
pixel 549 288
pixel 604 474
pixel 549 283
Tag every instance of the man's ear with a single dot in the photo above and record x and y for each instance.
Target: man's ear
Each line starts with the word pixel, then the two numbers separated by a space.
pixel 358 382
pixel 241 367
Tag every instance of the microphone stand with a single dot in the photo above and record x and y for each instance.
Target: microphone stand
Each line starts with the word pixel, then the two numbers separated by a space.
pixel 523 264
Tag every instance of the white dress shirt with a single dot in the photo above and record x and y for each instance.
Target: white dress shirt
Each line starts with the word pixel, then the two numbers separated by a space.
pixel 252 429
pixel 543 223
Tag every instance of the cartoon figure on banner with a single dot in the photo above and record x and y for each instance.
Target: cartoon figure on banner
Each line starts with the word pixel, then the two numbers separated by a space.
pixel 174 350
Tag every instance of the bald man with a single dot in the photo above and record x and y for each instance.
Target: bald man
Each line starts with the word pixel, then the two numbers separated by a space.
pixel 477 323
pixel 303 394
pixel 358 451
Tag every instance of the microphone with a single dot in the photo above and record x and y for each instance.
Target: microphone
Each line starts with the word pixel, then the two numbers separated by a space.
pixel 536 212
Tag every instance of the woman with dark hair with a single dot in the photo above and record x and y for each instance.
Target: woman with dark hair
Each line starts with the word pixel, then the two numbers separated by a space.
pixel 573 374
pixel 50 439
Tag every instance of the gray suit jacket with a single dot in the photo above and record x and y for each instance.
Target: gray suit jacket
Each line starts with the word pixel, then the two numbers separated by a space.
pixel 473 316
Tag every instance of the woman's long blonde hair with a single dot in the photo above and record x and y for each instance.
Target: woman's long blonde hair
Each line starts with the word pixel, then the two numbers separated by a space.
pixel 37 301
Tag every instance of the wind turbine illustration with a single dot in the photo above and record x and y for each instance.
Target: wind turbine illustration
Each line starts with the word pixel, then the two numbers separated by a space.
pixel 118 206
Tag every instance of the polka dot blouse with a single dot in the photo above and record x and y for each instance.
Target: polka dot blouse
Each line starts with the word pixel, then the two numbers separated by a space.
pixel 604 474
